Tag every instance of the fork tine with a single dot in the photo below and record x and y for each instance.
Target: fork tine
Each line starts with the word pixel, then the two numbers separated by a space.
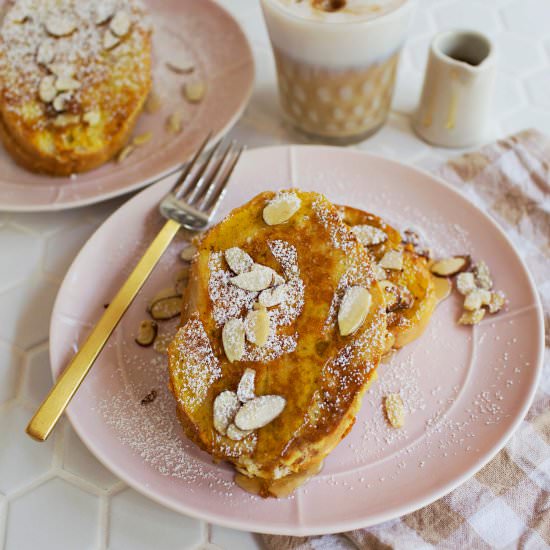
pixel 216 197
pixel 204 195
pixel 198 180
pixel 176 189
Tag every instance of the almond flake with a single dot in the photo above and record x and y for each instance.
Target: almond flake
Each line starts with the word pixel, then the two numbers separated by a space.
pixel 395 410
pixel 92 118
pixel 258 278
pixel 245 389
pixel 471 317
pixel 63 120
pixel 353 309
pixel 64 84
pixel 476 299
pixel 62 70
pixel 257 326
pixel 19 15
pixel 369 235
pixel 465 283
pixel 194 91
pixel 235 434
pixel 110 40
pixel 281 208
pixel 273 296
pixel 105 10
pixel 188 252
pixel 180 67
pixel 45 53
pixel 46 89
pixel 142 139
pixel 392 259
pixel 174 123
pixel 233 339
pixel 482 275
pixel 379 272
pixel 259 412
pixel 238 260
pixel 497 301
pixel 120 23
pixel 60 26
pixel 226 406
pixel 61 102
pixel 448 267
pixel 125 153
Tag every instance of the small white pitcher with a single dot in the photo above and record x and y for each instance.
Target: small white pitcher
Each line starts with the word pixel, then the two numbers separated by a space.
pixel 458 85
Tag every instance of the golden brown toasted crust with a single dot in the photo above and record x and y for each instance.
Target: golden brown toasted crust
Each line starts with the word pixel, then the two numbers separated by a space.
pixel 322 377
pixel 114 85
pixel 409 323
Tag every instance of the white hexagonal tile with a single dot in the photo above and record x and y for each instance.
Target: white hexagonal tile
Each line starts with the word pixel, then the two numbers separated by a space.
pixel 63 246
pixel 80 462
pixel 24 252
pixel 171 530
pixel 530 17
pixel 228 539
pixel 517 54
pixel 25 312
pixel 467 14
pixel 538 88
pixel 10 371
pixel 22 460
pixel 508 95
pixel 37 378
pixel 55 515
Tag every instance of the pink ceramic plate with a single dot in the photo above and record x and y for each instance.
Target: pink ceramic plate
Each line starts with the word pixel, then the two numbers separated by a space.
pixel 465 389
pixel 211 39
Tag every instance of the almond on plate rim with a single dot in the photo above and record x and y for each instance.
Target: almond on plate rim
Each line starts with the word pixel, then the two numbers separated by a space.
pixel 450 266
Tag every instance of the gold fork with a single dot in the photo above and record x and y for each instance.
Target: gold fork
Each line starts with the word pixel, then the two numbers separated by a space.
pixel 191 204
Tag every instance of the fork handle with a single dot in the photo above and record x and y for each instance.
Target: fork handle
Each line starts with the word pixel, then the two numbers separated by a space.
pixel 49 412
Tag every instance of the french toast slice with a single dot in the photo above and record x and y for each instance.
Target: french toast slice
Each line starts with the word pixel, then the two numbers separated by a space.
pixel 320 374
pixel 71 88
pixel 418 294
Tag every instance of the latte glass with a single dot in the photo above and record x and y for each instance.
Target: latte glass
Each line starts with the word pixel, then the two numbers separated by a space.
pixel 336 63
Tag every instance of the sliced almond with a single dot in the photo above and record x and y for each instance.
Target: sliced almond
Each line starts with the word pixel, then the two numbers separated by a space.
pixel 497 301
pixel 147 333
pixel 45 53
pixel 188 252
pixel 411 237
pixel 476 299
pixel 180 67
pixel 238 260
pixel 46 89
pixel 92 118
pixel 448 267
pixel 259 412
pixel 258 278
pixel 397 296
pixel 471 317
pixel 125 153
pixel 153 103
pixel 62 70
pixel 19 15
pixel 167 292
pixel 63 120
pixel 281 208
pixel 379 272
pixel 353 309
pixel 482 275
pixel 166 308
pixel 245 389
pixel 64 84
pixel 104 11
pixel 273 296
pixel 235 434
pixel 142 139
pixel 61 102
pixel 392 259
pixel 395 410
pixel 174 123
pixel 120 23
pixel 369 235
pixel 465 283
pixel 194 91
pixel 225 407
pixel 110 40
pixel 60 26
pixel 233 339
pixel 256 326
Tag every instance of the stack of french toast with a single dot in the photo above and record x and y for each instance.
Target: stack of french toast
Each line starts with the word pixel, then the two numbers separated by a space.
pixel 292 303
pixel 74 77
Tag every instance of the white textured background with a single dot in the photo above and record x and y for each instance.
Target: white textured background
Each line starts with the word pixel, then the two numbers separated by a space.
pixel 56 495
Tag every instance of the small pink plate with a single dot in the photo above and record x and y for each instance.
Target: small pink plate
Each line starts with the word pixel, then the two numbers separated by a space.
pixel 201 33
pixel 465 389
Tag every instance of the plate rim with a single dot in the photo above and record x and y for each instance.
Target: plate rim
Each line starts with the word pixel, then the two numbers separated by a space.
pixel 70 205
pixel 339 526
